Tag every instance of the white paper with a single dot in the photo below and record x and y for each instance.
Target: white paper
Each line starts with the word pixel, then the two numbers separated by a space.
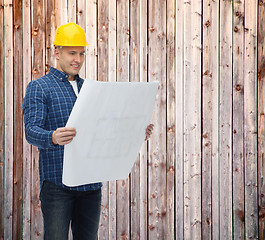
pixel 110 119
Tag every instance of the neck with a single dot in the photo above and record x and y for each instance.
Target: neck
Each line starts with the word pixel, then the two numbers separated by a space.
pixel 71 78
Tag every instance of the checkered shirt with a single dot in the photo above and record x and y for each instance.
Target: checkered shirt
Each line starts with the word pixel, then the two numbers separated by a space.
pixel 46 106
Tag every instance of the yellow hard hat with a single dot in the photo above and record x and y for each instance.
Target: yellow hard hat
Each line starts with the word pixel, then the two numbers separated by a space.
pixel 70 34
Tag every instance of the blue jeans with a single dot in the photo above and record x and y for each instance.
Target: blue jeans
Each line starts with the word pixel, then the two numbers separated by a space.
pixel 60 207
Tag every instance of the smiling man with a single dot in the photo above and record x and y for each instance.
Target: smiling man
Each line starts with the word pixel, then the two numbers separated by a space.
pixel 47 105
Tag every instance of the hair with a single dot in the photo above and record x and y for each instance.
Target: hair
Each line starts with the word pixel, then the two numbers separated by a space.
pixel 56 47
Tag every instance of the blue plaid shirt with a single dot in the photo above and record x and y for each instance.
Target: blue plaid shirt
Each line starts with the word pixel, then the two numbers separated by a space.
pixel 47 105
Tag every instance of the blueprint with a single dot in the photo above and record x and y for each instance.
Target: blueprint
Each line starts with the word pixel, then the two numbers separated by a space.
pixel 110 120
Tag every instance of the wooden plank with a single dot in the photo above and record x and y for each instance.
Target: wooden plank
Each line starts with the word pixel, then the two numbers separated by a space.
pixel 60 16
pixel 135 77
pixel 225 123
pixel 123 210
pixel 157 148
pixel 26 145
pixel 72 10
pixel 171 119
pixel 250 116
pixel 192 120
pixel 143 28
pixel 104 219
pixel 179 197
pixel 81 21
pixel 8 76
pixel 18 119
pixel 61 12
pixel 210 178
pixel 103 11
pixel 187 153
pixel 215 115
pixel 50 32
pixel 261 113
pixel 2 121
pixel 238 121
pixel 38 70
pixel 91 35
pixel 112 72
pixel 56 15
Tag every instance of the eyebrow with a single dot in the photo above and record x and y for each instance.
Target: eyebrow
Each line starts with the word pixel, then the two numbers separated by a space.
pixel 73 51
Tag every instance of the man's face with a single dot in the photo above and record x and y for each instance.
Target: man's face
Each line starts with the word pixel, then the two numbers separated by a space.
pixel 70 60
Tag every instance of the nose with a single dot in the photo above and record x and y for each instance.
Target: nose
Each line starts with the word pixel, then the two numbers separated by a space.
pixel 78 58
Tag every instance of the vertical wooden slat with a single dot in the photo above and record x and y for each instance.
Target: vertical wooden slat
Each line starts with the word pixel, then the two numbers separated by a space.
pixel 61 12
pixel 81 21
pixel 157 148
pixel 72 9
pixel 215 124
pixel 26 145
pixel 135 77
pixel 103 11
pixel 112 71
pixel 192 120
pixel 91 35
pixel 187 156
pixel 250 116
pixel 123 198
pixel 51 26
pixel 112 68
pixel 261 114
pixel 143 152
pixel 171 118
pixel 179 200
pixel 38 70
pixel 210 186
pixel 238 120
pixel 8 76
pixel 225 120
pixel 2 120
pixel 18 123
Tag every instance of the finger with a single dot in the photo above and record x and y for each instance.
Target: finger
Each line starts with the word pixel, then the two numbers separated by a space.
pixel 147 135
pixel 65 129
pixel 151 126
pixel 66 138
pixel 67 134
pixel 65 141
pixel 148 131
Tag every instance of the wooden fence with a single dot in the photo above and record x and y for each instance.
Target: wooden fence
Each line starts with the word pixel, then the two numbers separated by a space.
pixel 201 175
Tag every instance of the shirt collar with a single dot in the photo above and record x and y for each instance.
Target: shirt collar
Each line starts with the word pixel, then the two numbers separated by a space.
pixel 61 75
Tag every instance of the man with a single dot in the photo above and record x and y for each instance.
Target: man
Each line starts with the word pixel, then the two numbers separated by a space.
pixel 46 108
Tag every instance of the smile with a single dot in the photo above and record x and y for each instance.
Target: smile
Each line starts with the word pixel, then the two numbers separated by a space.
pixel 75 66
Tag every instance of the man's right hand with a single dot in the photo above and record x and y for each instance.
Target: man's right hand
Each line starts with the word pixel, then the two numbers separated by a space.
pixel 63 135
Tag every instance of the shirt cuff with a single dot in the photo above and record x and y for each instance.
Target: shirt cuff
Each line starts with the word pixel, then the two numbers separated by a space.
pixel 50 142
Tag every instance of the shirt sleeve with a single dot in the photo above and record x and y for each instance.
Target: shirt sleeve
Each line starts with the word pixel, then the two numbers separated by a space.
pixel 35 111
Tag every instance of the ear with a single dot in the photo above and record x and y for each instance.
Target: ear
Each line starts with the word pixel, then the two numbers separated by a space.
pixel 57 53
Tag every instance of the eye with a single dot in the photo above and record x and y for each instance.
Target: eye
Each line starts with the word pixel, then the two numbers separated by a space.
pixel 82 54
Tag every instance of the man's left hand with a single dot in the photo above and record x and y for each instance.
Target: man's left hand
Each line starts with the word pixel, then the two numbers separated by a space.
pixel 148 131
